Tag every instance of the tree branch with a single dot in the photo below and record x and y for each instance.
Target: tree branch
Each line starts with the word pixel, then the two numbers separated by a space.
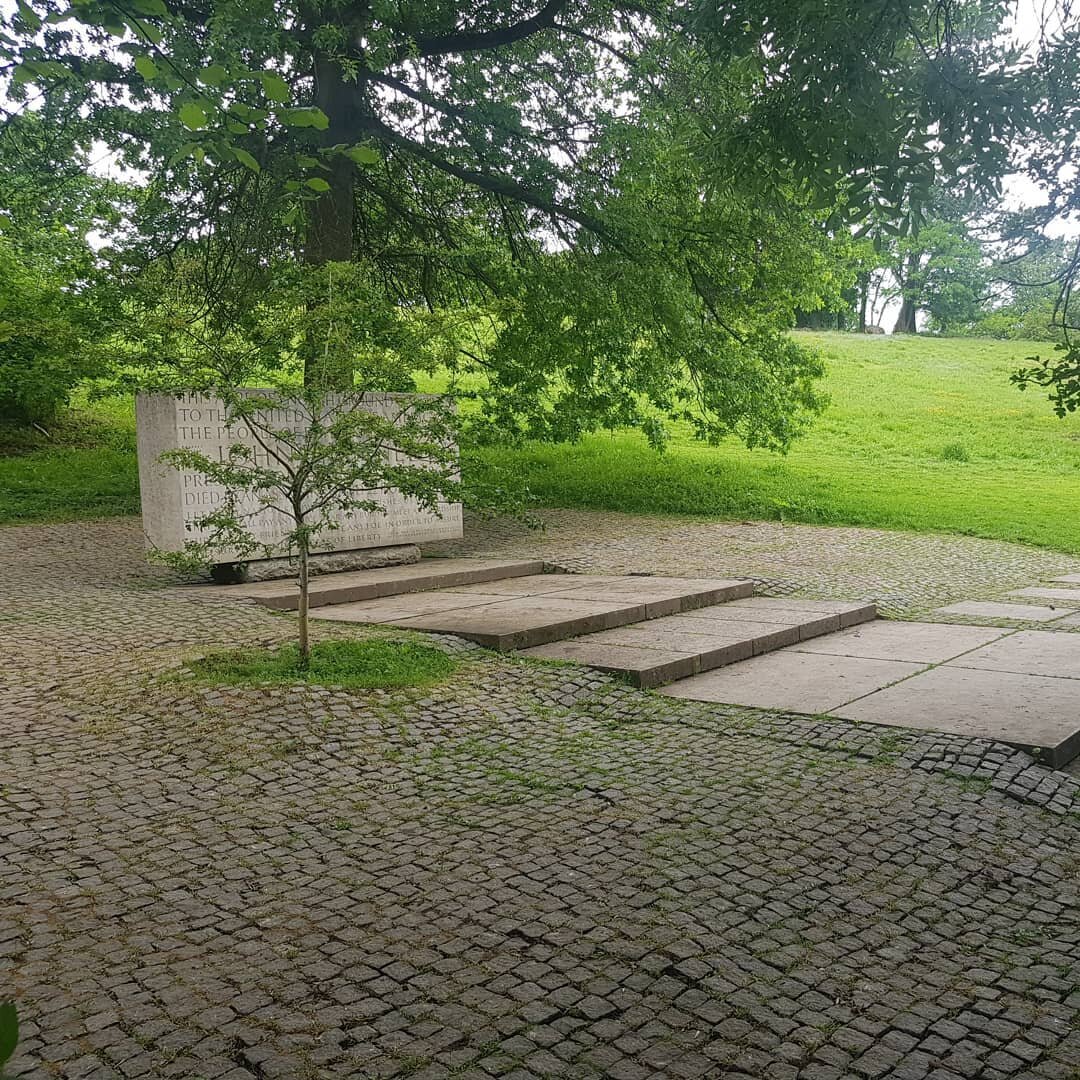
pixel 477 40
pixel 493 183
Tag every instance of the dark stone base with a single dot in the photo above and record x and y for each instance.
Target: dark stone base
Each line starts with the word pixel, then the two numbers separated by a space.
pixel 332 562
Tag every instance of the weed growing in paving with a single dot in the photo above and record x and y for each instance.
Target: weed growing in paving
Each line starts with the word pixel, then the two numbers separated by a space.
pixel 9 1033
pixel 358 665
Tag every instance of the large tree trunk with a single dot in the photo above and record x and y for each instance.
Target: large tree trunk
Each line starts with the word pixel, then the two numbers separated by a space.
pixel 330 225
pixel 905 321
pixel 906 276
pixel 330 228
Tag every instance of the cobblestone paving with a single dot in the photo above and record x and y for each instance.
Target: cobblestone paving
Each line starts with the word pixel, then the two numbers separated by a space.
pixel 528 871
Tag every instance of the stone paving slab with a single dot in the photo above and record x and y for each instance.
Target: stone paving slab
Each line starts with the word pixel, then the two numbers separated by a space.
pixel 533 610
pixel 763 636
pixel 993 609
pixel 1031 652
pixel 359 585
pixel 849 613
pixel 1069 622
pixel 810 624
pixel 707 650
pixel 526 585
pixel 1042 592
pixel 1034 712
pixel 660 595
pixel 524 622
pixel 705 637
pixel 907 574
pixel 882 673
pixel 392 609
pixel 795 681
pixel 646 668
pixel 925 643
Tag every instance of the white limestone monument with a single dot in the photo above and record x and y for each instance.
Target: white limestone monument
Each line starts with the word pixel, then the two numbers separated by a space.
pixel 174 499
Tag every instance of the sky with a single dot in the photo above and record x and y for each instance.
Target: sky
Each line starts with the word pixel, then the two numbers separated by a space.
pixel 1030 16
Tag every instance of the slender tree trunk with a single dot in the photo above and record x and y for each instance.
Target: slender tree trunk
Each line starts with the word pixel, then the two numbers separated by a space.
pixel 303 627
pixel 863 281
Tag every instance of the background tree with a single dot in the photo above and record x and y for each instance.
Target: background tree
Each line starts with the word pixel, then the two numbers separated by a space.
pixel 937 266
pixel 941 271
pixel 1026 290
pixel 55 300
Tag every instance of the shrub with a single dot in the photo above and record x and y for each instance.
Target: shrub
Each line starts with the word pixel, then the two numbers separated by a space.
pixel 44 346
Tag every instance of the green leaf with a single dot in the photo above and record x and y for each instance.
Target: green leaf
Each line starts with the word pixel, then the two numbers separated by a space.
pixel 146 68
pixel 9 1030
pixel 193 115
pixel 150 7
pixel 185 151
pixel 363 155
pixel 247 112
pixel 149 31
pixel 29 16
pixel 317 183
pixel 275 87
pixel 213 75
pixel 304 118
pixel 246 159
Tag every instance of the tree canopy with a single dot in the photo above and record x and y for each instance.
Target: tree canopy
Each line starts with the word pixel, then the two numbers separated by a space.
pixel 625 203
pixel 56 300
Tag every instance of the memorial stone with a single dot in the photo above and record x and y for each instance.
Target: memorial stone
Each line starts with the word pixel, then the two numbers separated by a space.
pixel 173 500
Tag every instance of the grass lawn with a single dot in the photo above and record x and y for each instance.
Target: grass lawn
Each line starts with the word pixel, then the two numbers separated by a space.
pixel 358 665
pixel 83 466
pixel 921 433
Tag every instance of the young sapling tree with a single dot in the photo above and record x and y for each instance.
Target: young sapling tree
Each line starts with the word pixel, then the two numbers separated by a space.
pixel 303 458
pixel 304 453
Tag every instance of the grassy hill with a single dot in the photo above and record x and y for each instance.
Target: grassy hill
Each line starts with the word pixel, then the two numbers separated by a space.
pixel 920 433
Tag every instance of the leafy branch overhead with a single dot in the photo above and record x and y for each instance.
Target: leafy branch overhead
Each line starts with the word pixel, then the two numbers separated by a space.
pixel 631 200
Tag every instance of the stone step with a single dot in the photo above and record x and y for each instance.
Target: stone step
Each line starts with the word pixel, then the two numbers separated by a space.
pixel 534 610
pixel 361 585
pixel 679 646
